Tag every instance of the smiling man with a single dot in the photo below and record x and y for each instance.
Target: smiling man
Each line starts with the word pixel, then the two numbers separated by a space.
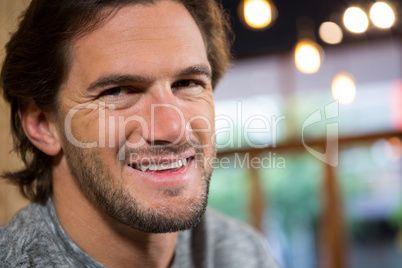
pixel 112 113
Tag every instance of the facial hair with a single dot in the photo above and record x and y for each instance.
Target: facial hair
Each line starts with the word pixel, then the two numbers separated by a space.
pixel 112 198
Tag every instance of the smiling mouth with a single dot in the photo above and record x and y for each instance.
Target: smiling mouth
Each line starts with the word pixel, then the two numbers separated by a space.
pixel 162 167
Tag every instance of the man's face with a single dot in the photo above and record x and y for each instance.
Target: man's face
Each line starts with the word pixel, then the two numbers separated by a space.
pixel 140 88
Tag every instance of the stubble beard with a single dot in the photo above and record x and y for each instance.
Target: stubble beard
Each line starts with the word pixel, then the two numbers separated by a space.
pixel 111 197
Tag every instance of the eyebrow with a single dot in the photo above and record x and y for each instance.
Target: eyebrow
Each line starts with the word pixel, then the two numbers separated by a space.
pixel 132 79
pixel 196 70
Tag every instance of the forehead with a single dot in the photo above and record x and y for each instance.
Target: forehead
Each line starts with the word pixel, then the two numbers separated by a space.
pixel 150 40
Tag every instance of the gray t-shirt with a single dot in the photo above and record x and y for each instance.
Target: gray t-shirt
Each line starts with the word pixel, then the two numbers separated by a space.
pixel 35 238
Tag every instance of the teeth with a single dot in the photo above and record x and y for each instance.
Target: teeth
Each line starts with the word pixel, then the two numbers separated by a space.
pixel 163 166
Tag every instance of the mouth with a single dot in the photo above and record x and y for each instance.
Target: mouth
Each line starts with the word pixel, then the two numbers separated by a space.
pixel 163 167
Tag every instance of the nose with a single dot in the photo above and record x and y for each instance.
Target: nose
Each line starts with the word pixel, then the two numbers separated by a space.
pixel 167 122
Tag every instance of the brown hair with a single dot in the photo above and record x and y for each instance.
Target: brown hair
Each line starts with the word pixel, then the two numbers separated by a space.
pixel 36 63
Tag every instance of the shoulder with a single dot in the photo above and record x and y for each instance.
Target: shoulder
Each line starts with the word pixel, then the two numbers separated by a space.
pixel 24 241
pixel 228 243
pixel 223 226
pixel 229 233
pixel 21 231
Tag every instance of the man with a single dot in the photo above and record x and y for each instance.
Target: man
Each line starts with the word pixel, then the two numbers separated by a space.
pixel 112 113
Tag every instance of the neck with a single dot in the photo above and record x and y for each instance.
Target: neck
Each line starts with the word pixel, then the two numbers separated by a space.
pixel 107 241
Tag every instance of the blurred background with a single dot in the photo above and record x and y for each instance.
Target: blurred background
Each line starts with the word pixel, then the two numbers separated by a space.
pixel 309 129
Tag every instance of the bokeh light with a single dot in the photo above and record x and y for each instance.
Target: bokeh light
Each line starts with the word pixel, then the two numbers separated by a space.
pixel 355 20
pixel 330 33
pixel 258 14
pixel 344 88
pixel 393 149
pixel 382 15
pixel 308 56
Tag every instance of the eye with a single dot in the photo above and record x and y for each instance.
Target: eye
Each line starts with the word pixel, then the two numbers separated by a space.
pixel 115 92
pixel 185 83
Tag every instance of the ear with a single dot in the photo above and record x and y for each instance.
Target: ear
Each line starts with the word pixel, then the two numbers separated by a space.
pixel 39 129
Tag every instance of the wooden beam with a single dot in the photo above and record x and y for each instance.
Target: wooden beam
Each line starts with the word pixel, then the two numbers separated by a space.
pixel 332 235
pixel 296 145
pixel 257 200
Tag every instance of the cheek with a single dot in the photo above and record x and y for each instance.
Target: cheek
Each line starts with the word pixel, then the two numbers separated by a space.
pixel 82 126
pixel 122 128
pixel 201 113
pixel 202 123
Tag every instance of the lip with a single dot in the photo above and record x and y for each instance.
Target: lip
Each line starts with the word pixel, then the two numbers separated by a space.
pixel 174 178
pixel 165 159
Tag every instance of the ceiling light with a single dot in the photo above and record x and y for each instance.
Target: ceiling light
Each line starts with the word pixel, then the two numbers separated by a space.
pixel 258 14
pixel 382 15
pixel 308 56
pixel 355 20
pixel 344 88
pixel 330 33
